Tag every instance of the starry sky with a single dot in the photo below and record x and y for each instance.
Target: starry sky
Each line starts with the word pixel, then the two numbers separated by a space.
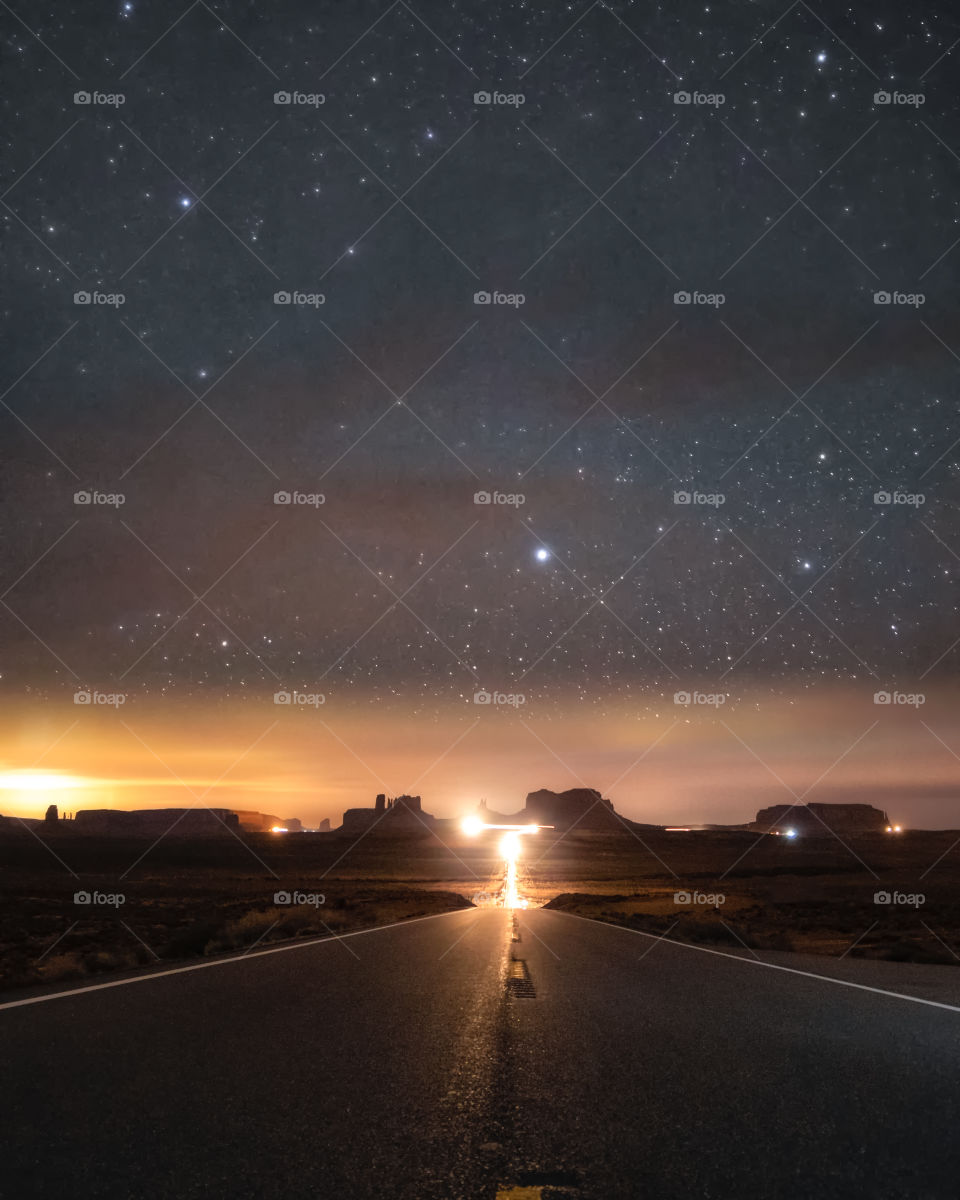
pixel 188 167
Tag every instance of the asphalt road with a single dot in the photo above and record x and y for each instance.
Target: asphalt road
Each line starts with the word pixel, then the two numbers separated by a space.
pixel 403 1062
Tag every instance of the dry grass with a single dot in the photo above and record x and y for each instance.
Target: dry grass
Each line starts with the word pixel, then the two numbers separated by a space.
pixel 189 899
pixel 175 925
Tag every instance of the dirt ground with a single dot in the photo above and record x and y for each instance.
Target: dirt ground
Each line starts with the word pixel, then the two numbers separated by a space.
pixel 884 896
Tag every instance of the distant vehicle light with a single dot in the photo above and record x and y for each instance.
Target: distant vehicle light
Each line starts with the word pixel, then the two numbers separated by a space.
pixel 790 833
pixel 898 829
pixel 510 846
pixel 471 826
pixel 279 828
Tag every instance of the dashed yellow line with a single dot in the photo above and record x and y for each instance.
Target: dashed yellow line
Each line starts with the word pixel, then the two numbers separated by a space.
pixel 520 1193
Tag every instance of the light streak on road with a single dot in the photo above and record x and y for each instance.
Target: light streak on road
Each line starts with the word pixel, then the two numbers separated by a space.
pixel 510 847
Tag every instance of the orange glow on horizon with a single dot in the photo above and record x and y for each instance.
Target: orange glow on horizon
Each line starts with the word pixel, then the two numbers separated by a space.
pixel 39 781
pixel 654 763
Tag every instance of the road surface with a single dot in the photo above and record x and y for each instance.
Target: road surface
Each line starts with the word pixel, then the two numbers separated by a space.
pixel 416 1062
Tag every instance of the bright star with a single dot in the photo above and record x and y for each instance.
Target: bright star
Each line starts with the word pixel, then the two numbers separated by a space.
pixel 542 554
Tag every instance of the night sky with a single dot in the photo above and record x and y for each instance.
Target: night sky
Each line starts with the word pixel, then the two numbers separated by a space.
pixel 599 398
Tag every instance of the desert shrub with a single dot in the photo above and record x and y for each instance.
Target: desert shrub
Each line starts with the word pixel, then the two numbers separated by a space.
pixel 244 931
pixel 720 935
pixel 190 940
pixel 297 922
pixel 106 960
pixel 61 966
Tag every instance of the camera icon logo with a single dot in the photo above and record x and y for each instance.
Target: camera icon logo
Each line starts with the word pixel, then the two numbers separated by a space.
pixel 881 297
pixel 481 498
pixel 82 497
pixel 281 497
pixel 881 897
pixel 681 897
pixel 681 497
pixel 481 697
pixel 81 97
pixel 82 697
pixel 882 497
pixel 281 697
pixel 481 97
pixel 882 697
pixel 281 297
pixel 81 898
pixel 81 297
pixel 681 97
pixel 481 297
pixel 282 898
pixel 681 698
pixel 681 297
pixel 881 97
pixel 282 98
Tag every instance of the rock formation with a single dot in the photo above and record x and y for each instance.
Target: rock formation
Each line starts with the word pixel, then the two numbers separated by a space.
pixel 820 818
pixel 584 808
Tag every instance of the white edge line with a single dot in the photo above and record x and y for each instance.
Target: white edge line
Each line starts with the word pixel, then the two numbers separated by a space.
pixel 756 962
pixel 221 962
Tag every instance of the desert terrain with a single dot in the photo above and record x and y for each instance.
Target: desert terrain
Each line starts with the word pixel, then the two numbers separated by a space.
pixel 186 898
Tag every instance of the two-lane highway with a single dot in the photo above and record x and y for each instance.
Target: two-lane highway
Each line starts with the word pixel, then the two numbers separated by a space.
pixel 416 1062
